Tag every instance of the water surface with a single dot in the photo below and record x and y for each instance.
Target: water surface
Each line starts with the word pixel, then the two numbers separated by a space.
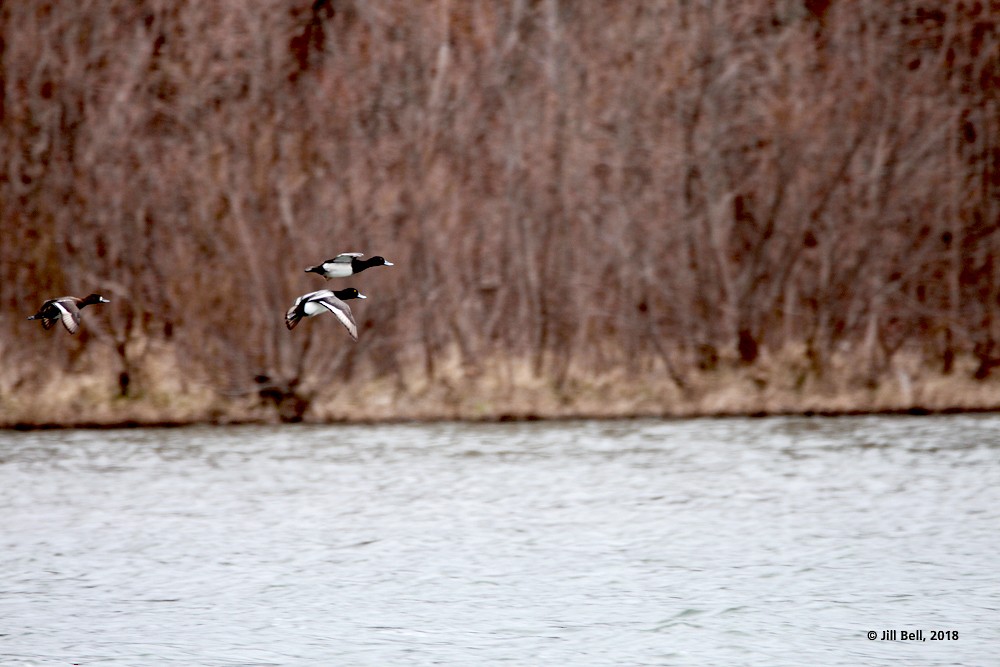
pixel 703 542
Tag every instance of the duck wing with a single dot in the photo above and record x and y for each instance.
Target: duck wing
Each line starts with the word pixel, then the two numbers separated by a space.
pixel 343 313
pixel 297 311
pixel 344 258
pixel 69 315
pixel 48 314
pixel 292 317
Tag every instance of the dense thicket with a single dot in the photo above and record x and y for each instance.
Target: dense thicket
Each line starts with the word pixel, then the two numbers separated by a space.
pixel 661 184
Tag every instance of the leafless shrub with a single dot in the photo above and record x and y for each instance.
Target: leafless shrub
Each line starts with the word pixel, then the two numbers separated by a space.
pixel 580 184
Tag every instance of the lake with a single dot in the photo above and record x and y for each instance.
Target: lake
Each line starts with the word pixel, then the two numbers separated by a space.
pixel 778 541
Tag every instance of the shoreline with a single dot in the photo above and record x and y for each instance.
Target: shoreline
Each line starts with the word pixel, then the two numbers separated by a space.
pixel 916 411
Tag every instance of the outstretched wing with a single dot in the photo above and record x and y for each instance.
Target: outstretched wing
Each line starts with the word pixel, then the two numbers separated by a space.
pixel 292 317
pixel 344 258
pixel 297 312
pixel 70 317
pixel 343 313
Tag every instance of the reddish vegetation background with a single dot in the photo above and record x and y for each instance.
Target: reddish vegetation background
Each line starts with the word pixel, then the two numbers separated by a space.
pixel 664 187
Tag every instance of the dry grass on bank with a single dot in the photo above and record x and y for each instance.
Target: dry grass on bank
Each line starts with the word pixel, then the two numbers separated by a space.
pixel 777 384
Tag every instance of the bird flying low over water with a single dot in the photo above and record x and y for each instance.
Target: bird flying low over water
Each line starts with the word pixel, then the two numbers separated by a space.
pixel 346 264
pixel 316 303
pixel 65 309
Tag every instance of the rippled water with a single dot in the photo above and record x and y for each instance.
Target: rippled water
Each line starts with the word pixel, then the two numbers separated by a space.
pixel 703 542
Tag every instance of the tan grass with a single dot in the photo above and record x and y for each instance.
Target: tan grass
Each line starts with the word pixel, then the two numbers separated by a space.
pixel 504 389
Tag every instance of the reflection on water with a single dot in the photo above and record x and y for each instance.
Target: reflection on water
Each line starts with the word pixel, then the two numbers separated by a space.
pixel 743 542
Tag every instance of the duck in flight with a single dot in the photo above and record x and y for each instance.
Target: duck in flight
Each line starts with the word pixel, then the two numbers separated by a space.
pixel 317 303
pixel 346 264
pixel 65 309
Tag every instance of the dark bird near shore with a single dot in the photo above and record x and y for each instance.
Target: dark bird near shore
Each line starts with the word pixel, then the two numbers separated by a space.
pixel 317 303
pixel 67 309
pixel 346 264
